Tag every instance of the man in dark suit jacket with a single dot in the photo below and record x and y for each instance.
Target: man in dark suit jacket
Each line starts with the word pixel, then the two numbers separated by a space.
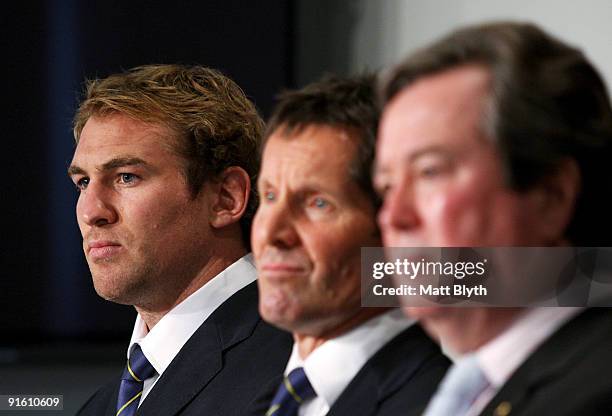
pixel 511 131
pixel 225 364
pixel 317 211
pixel 567 375
pixel 164 164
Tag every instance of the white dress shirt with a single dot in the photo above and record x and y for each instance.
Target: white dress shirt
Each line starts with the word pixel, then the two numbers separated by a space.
pixel 332 366
pixel 503 355
pixel 165 340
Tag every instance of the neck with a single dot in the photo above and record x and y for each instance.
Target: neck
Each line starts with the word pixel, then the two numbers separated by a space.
pixel 464 330
pixel 153 312
pixel 307 342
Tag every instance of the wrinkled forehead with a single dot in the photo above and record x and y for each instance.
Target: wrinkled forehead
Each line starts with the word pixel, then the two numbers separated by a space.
pixel 310 151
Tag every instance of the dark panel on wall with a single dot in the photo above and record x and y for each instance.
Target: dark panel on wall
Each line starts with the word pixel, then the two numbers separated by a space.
pixel 50 48
pixel 23 216
pixel 324 29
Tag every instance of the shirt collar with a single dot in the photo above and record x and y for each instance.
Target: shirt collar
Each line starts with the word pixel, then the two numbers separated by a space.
pixel 332 366
pixel 165 340
pixel 501 356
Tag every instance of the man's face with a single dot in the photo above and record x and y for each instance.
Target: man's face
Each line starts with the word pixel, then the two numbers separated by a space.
pixel 312 221
pixel 144 236
pixel 441 177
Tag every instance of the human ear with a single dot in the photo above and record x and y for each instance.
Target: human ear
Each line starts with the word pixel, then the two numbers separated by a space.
pixel 232 188
pixel 558 194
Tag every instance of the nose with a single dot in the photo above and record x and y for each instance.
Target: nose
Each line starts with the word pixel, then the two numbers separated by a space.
pixel 94 206
pixel 274 225
pixel 399 212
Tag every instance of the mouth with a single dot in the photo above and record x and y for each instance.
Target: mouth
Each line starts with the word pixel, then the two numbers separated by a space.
pixel 282 270
pixel 101 250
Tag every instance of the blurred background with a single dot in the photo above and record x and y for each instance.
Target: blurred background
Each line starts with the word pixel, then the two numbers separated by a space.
pixel 56 335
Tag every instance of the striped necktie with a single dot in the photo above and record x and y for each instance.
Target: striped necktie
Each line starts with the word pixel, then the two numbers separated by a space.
pixel 137 370
pixel 294 390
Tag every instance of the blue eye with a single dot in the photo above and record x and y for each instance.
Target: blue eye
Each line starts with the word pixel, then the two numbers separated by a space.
pixel 430 171
pixel 320 203
pixel 127 178
pixel 269 196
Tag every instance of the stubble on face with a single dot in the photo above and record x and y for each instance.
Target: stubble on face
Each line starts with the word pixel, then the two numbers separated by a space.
pixel 155 228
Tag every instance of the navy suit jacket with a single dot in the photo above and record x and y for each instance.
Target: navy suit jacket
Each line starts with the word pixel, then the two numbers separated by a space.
pixel 226 363
pixel 569 374
pixel 398 380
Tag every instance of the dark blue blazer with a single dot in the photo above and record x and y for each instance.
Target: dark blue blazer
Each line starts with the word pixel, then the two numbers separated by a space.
pixel 569 374
pixel 398 380
pixel 228 361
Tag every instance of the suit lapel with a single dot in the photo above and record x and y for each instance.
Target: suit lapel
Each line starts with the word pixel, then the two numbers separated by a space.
pixel 261 404
pixel 201 358
pixel 190 371
pixel 556 356
pixel 385 373
pixel 112 406
pixel 103 402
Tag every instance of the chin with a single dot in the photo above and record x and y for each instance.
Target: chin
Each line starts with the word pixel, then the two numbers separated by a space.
pixel 275 312
pixel 280 321
pixel 432 319
pixel 108 290
pixel 290 318
pixel 423 312
pixel 111 296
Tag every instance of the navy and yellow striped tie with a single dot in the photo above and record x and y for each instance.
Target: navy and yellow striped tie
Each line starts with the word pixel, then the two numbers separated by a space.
pixel 294 390
pixel 137 370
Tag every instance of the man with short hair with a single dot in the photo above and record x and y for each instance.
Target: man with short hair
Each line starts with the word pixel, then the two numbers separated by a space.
pixel 318 209
pixel 164 164
pixel 499 135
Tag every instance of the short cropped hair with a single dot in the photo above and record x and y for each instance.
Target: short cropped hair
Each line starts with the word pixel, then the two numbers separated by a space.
pixel 344 103
pixel 215 123
pixel 547 104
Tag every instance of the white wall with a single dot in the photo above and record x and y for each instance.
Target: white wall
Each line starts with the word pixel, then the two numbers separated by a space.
pixel 387 30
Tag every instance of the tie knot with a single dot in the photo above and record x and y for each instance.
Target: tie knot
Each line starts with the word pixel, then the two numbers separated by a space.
pixel 294 390
pixel 459 389
pixel 298 385
pixel 465 379
pixel 138 368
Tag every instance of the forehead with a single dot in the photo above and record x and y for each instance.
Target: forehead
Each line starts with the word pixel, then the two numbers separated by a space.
pixel 437 110
pixel 312 152
pixel 107 136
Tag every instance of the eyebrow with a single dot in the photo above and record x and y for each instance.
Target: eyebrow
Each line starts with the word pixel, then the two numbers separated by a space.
pixel 306 188
pixel 432 149
pixel 112 164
